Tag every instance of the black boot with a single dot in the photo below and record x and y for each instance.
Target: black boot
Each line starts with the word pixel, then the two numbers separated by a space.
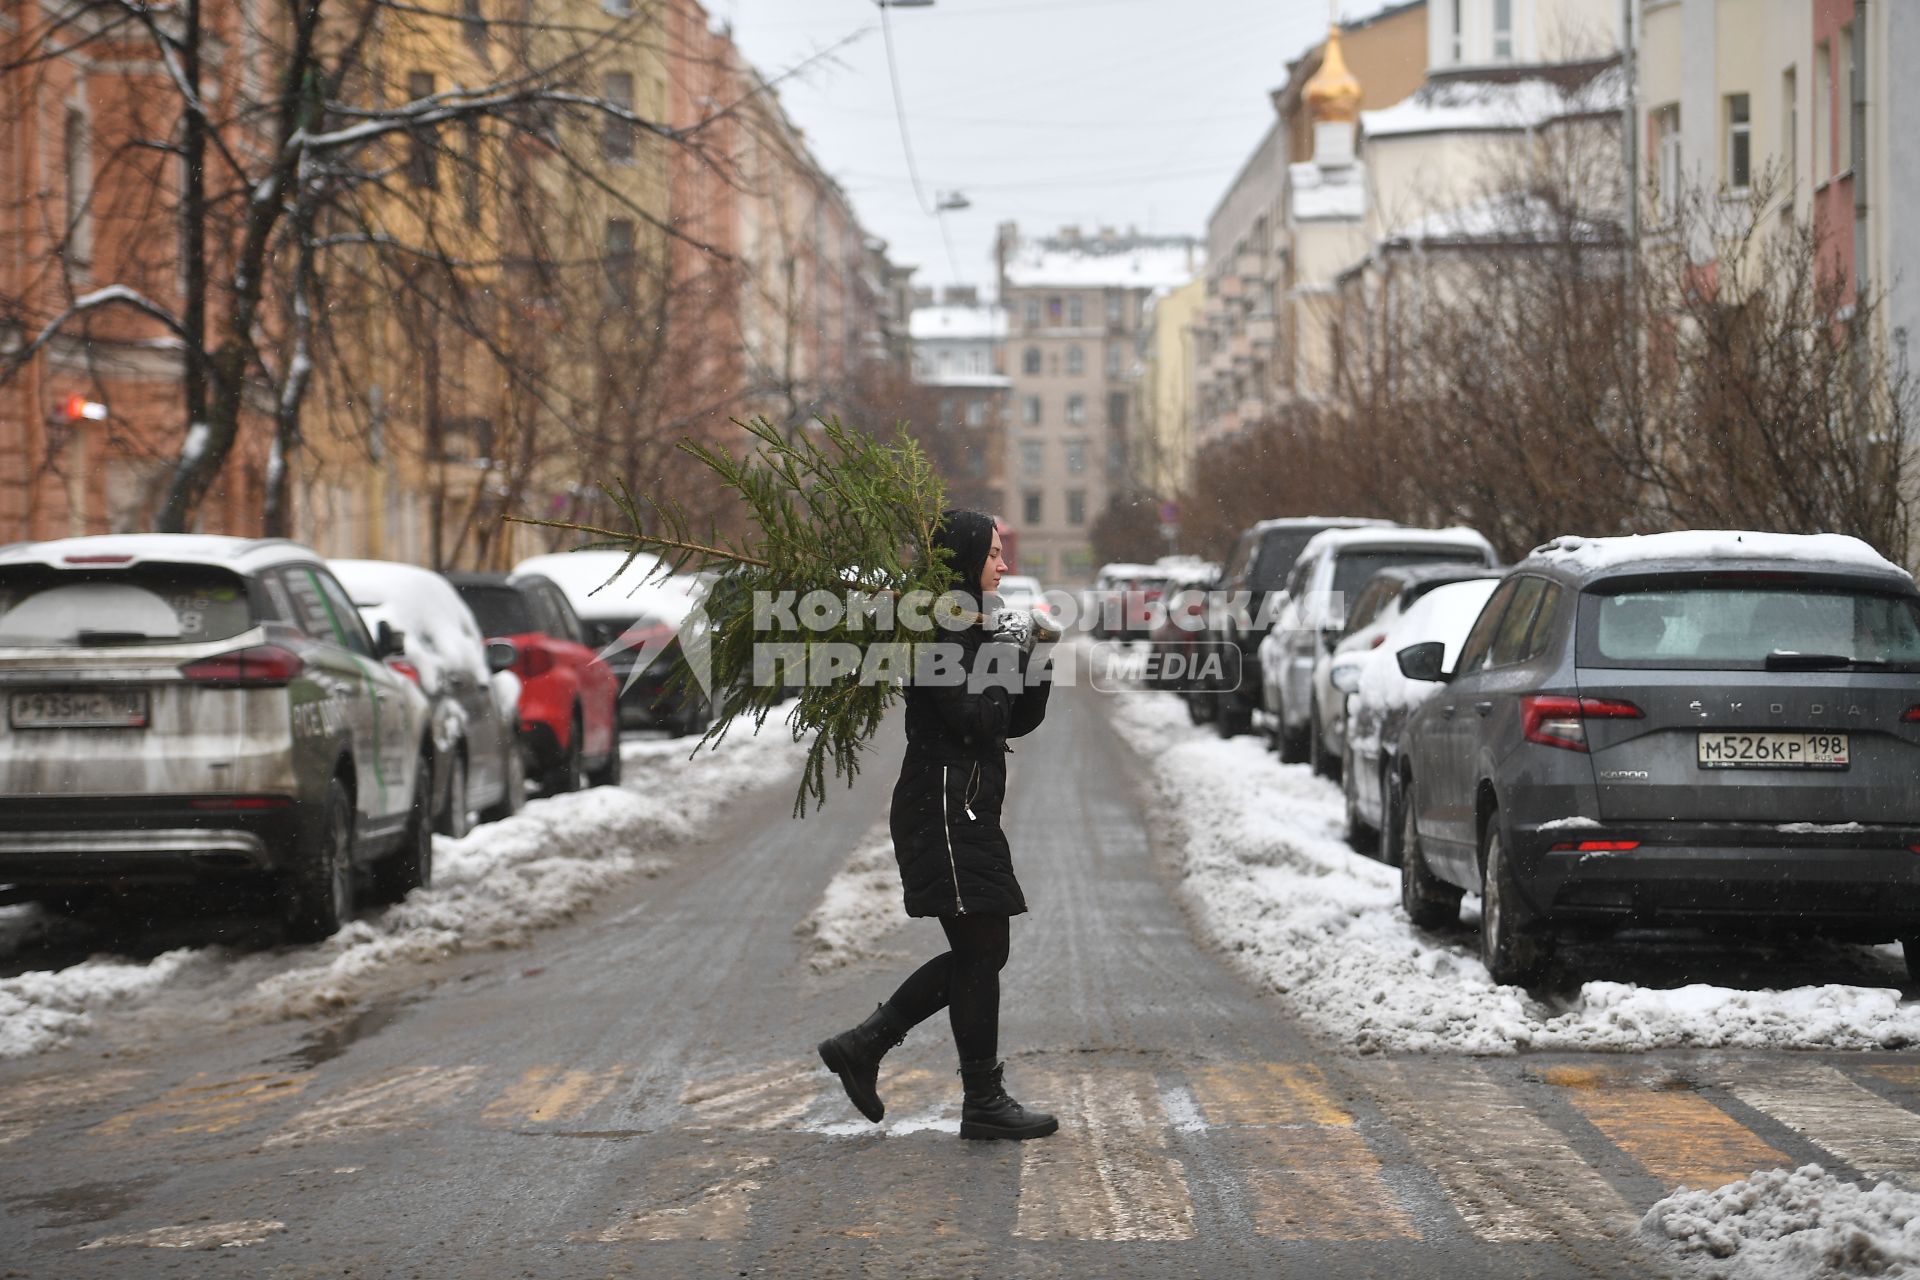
pixel 989 1113
pixel 855 1056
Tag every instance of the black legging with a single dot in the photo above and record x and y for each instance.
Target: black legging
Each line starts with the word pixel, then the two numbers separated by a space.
pixel 966 980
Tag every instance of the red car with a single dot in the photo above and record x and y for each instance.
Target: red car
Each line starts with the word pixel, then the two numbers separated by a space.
pixel 569 698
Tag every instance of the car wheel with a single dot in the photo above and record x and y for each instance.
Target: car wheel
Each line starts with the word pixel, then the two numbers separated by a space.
pixel 456 818
pixel 514 796
pixel 1513 947
pixel 319 891
pixel 608 774
pixel 1199 707
pixel 410 866
pixel 1362 837
pixel 1317 759
pixel 1235 715
pixel 1293 742
pixel 570 773
pixel 1430 902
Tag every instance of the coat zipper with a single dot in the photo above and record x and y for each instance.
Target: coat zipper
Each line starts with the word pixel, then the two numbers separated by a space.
pixel 946 829
pixel 973 787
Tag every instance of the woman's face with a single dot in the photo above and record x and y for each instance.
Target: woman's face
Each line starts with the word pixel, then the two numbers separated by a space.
pixel 990 572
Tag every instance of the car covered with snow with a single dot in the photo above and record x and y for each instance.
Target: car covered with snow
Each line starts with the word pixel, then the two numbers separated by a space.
pixel 477 766
pixel 1379 698
pixel 639 619
pixel 203 716
pixel 1704 729
pixel 1329 574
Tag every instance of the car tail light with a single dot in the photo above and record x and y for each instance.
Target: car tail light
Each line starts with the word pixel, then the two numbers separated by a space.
pixel 1377 641
pixel 1555 721
pixel 97 559
pixel 260 666
pixel 228 804
pixel 405 668
pixel 535 660
pixel 1594 846
pixel 1910 716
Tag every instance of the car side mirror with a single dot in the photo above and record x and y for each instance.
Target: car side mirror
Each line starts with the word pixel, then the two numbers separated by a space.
pixel 501 655
pixel 389 641
pixel 1422 661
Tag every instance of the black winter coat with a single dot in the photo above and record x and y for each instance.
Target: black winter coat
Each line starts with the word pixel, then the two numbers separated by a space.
pixel 945 820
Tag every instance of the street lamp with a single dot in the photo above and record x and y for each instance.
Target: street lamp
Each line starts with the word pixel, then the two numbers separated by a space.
pixel 947 201
pixel 904 4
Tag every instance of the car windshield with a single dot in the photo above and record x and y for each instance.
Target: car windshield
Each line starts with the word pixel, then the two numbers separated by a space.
pixel 1739 628
pixel 149 604
pixel 500 611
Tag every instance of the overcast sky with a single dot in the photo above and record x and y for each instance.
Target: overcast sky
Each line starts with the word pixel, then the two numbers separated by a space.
pixel 1047 112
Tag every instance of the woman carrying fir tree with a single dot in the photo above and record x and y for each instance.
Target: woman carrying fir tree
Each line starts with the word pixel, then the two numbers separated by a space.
pixel 954 859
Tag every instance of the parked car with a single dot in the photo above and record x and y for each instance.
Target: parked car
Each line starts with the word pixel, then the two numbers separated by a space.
pixel 1180 621
pixel 1258 566
pixel 1709 729
pixel 1378 605
pixel 1380 698
pixel 628 615
pixel 569 708
pixel 1330 571
pixel 1107 602
pixel 204 714
pixel 476 762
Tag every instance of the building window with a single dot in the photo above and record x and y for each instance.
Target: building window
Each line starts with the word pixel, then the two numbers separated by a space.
pixel 475 166
pixel 1843 102
pixel 620 260
pixel 1033 456
pixel 1116 310
pixel 1116 459
pixel 1790 131
pixel 977 413
pixel 423 163
pixel 1076 361
pixel 1739 157
pixel 1030 411
pixel 1459 51
pixel 1076 456
pixel 1030 507
pixel 1822 112
pixel 473 24
pixel 616 137
pixel 1076 312
pixel 1503 30
pixel 1033 313
pixel 77 156
pixel 1076 506
pixel 1115 354
pixel 1030 360
pixel 1666 149
pixel 1053 310
pixel 1076 410
pixel 1116 409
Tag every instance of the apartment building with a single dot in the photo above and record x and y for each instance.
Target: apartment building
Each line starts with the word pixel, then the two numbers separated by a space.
pixel 959 348
pixel 1076 310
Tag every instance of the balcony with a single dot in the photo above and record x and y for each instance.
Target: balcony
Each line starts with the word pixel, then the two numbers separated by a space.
pixel 1260 331
pixel 1231 287
pixel 1241 348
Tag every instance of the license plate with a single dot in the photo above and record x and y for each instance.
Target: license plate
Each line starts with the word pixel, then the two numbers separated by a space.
pixel 78 709
pixel 1773 751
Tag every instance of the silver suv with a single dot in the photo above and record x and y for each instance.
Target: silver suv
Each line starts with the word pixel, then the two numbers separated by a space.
pixel 185 710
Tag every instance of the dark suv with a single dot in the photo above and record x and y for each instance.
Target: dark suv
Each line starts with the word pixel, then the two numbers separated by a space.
pixel 1717 730
pixel 1262 557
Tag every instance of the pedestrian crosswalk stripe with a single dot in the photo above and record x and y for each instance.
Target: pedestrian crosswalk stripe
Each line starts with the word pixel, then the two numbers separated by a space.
pixel 25 1105
pixel 1670 1131
pixel 1266 1093
pixel 206 1106
pixel 403 1100
pixel 1873 1135
pixel 1107 1175
pixel 1505 1171
pixel 544 1095
pixel 765 1098
pixel 704 1197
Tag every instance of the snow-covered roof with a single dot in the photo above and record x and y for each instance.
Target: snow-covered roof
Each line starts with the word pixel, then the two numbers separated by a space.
pixel 1445 614
pixel 1341 539
pixel 1339 522
pixel 1594 555
pixel 955 322
pixel 1509 216
pixel 1092 264
pixel 441 634
pixel 1468 106
pixel 587 578
pixel 1315 198
pixel 967 381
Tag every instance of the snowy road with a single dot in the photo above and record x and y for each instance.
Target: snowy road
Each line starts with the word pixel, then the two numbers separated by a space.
pixel 1259 1066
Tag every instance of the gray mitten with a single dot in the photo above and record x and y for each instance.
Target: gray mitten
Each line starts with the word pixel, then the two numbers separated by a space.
pixel 1013 626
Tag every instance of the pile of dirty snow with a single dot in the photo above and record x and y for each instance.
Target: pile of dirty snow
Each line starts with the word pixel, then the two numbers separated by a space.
pixel 1781 1225
pixel 862 904
pixel 492 888
pixel 1270 880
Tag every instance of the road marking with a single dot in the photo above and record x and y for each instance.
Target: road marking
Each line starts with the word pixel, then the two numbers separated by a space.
pixel 206 1106
pixel 24 1106
pixel 197 1235
pixel 1312 1175
pixel 713 1208
pixel 1508 1174
pixel 396 1102
pixel 543 1095
pixel 1673 1133
pixel 1107 1175
pixel 766 1098
pixel 1873 1135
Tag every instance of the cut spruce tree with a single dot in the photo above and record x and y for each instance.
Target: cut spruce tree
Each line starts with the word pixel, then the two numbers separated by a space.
pixel 836 512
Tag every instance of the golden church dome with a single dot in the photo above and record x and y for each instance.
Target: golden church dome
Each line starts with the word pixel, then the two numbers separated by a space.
pixel 1333 95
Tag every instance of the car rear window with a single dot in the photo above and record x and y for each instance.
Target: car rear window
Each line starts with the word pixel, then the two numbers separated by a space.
pixel 1278 550
pixel 602 632
pixel 1736 628
pixel 1351 569
pixel 500 611
pixel 44 608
